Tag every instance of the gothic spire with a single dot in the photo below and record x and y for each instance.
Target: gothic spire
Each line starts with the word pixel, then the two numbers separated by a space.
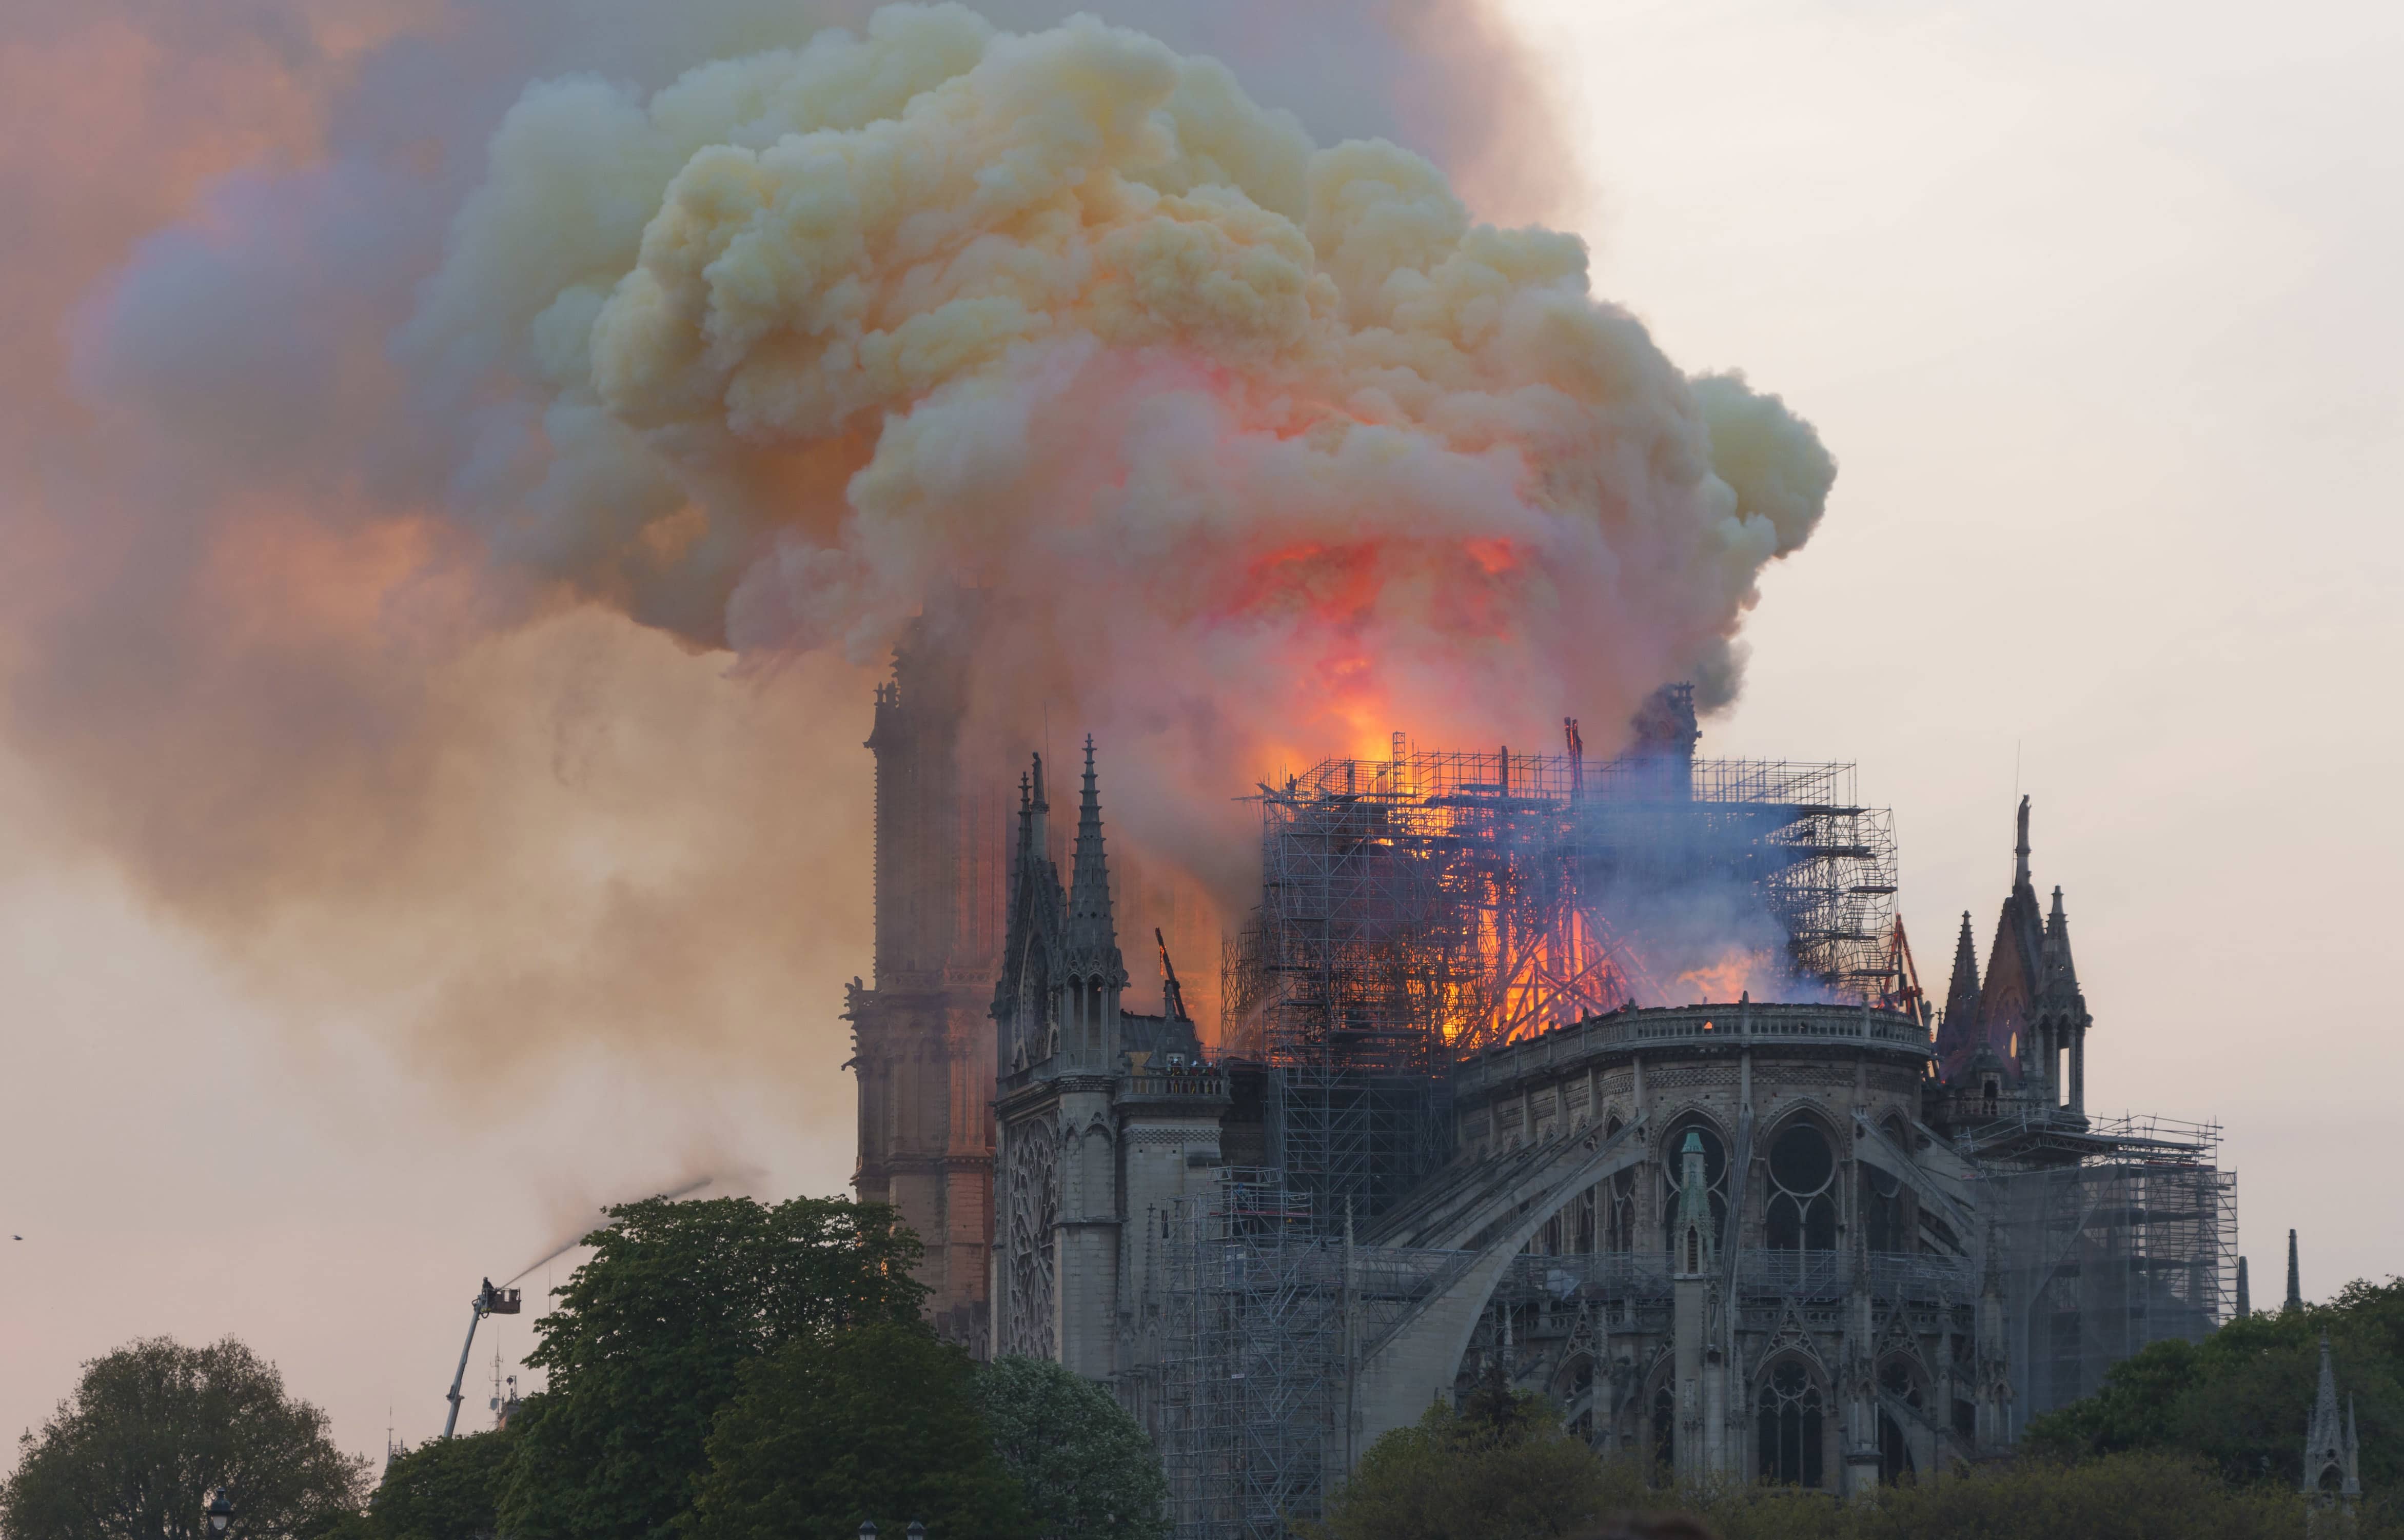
pixel 1695 1242
pixel 1039 832
pixel 1092 929
pixel 2295 1277
pixel 2020 851
pixel 2324 1444
pixel 2061 974
pixel 1962 997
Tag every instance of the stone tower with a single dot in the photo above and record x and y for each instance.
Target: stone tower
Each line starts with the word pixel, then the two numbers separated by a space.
pixel 922 1041
pixel 1108 1118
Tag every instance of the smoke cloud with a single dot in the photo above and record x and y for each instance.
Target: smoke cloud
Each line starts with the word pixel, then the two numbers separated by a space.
pixel 447 553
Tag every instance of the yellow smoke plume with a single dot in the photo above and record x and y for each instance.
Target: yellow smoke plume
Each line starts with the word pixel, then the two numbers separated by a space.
pixel 331 525
pixel 1263 448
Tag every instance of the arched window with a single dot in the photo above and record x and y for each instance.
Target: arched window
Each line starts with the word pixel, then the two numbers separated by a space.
pixel 1881 1199
pixel 1802 1199
pixel 1714 1179
pixel 1895 1450
pixel 1618 1204
pixel 1789 1427
pixel 1665 1429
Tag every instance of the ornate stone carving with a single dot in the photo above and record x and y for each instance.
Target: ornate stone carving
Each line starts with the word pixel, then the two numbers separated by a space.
pixel 1031 1209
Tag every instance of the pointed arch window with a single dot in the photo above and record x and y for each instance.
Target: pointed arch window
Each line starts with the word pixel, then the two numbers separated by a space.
pixel 1714 1179
pixel 1618 1203
pixel 1789 1425
pixel 1895 1450
pixel 1802 1190
pixel 1883 1211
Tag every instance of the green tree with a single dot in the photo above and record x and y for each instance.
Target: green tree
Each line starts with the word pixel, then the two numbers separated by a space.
pixel 2149 1495
pixel 875 1424
pixel 651 1336
pixel 445 1489
pixel 154 1427
pixel 2242 1397
pixel 1085 1465
pixel 1500 1468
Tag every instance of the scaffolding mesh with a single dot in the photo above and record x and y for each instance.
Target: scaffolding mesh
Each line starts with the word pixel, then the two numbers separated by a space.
pixel 1421 908
pixel 2100 1257
pixel 1262 1314
pixel 1252 1352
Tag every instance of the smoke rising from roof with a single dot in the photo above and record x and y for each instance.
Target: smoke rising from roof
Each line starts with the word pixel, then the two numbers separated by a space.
pixel 357 463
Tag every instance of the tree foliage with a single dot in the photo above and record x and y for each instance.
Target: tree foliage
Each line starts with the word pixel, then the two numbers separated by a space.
pixel 876 1424
pixel 153 1428
pixel 1085 1465
pixel 445 1489
pixel 1499 1468
pixel 651 1336
pixel 2241 1398
pixel 2148 1495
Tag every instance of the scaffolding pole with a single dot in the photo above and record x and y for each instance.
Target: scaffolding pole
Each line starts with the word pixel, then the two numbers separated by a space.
pixel 2130 1245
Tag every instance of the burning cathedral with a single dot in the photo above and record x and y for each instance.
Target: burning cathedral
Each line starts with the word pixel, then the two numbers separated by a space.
pixel 1613 1078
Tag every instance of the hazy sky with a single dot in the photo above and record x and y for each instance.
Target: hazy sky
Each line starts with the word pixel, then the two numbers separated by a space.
pixel 2095 307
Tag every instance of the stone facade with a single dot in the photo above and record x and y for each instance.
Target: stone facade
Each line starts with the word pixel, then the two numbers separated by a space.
pixel 1779 1281
pixel 1107 1117
pixel 1746 1242
pixel 922 1037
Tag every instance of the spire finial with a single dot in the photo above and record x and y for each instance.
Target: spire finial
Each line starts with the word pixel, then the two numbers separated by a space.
pixel 2295 1276
pixel 1092 929
pixel 2020 850
pixel 1037 829
pixel 1961 994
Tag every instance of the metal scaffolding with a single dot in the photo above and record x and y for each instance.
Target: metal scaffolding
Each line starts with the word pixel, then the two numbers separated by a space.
pixel 1262 1317
pixel 1421 908
pixel 2133 1243
pixel 1251 1359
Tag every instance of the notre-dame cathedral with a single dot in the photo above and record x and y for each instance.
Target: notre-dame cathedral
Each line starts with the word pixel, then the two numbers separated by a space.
pixel 1825 1237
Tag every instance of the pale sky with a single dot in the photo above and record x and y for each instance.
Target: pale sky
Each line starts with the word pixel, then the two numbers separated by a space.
pixel 2096 307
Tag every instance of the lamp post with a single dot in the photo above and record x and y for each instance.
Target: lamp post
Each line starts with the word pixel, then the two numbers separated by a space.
pixel 220 1513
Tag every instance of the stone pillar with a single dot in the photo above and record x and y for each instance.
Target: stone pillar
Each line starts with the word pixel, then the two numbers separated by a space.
pixel 1086 1295
pixel 1688 1305
pixel 1861 1388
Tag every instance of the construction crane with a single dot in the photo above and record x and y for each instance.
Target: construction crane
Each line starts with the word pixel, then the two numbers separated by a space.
pixel 488 1301
pixel 1173 993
